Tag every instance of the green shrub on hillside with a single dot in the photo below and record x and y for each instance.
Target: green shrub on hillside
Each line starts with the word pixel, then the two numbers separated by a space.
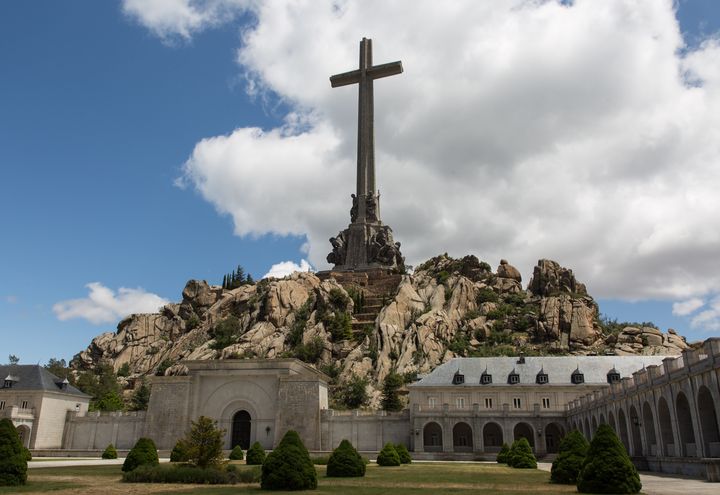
pixel 571 456
pixel 143 453
pixel 13 466
pixel 607 467
pixel 255 455
pixel 388 456
pixel 288 467
pixel 345 462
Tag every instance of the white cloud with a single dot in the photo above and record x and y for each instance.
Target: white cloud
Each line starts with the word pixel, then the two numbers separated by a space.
pixel 684 308
pixel 519 130
pixel 285 268
pixel 709 319
pixel 103 305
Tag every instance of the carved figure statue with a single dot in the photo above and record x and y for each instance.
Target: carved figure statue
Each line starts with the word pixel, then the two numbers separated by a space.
pixel 337 256
pixel 354 209
pixel 371 208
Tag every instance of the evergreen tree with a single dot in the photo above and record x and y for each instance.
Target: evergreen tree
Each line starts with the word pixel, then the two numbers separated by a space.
pixel 390 400
pixel 345 461
pixel 141 398
pixel 180 452
pixel 204 443
pixel 13 466
pixel 607 467
pixel 502 456
pixel 388 456
pixel 403 453
pixel 13 359
pixel 143 453
pixel 353 392
pixel 237 454
pixel 255 455
pixel 289 467
pixel 521 456
pixel 110 452
pixel 571 456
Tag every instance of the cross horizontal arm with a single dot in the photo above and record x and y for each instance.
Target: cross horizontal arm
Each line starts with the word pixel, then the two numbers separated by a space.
pixel 384 70
pixel 352 77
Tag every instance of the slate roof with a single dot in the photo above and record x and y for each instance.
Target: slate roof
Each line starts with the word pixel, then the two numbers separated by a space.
pixel 558 369
pixel 35 377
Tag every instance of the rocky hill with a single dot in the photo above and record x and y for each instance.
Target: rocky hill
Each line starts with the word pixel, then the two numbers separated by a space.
pixel 409 324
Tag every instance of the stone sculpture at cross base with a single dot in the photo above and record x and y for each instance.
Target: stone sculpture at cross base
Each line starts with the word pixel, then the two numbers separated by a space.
pixel 366 244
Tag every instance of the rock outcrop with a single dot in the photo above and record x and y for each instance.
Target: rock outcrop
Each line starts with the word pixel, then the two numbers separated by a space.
pixel 448 307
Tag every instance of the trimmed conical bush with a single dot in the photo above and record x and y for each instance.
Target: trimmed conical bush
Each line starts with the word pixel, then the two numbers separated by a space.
pixel 180 452
pixel 403 453
pixel 502 456
pixel 109 452
pixel 607 467
pixel 237 454
pixel 571 455
pixel 13 466
pixel 255 455
pixel 345 462
pixel 289 467
pixel 521 456
pixel 143 453
pixel 388 456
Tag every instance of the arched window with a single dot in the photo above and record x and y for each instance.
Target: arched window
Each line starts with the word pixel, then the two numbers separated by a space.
pixel 513 377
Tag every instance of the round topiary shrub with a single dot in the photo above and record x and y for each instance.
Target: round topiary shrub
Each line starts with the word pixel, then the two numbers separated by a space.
pixel 502 456
pixel 571 455
pixel 607 467
pixel 521 456
pixel 109 452
pixel 237 454
pixel 255 455
pixel 288 467
pixel 345 462
pixel 180 452
pixel 403 453
pixel 143 453
pixel 13 466
pixel 388 456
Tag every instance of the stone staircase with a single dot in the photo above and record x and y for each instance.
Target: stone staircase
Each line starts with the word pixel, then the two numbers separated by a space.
pixel 377 286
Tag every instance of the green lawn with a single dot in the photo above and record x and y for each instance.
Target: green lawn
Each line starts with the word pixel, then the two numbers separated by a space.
pixel 418 478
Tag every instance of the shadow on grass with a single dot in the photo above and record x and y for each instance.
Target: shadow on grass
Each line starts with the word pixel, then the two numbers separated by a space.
pixel 40 486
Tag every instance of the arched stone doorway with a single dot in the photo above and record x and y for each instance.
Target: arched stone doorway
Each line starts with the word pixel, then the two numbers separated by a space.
pixel 637 447
pixel 623 431
pixel 432 437
pixel 553 435
pixel 241 424
pixel 649 425
pixel 24 434
pixel 492 437
pixel 708 422
pixel 462 437
pixel 687 433
pixel 524 430
pixel 666 435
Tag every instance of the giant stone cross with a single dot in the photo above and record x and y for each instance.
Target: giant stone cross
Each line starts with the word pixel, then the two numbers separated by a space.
pixel 366 243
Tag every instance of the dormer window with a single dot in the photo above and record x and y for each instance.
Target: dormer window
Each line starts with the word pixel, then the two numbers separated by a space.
pixel 577 377
pixel 9 380
pixel 63 385
pixel 458 378
pixel 513 377
pixel 542 377
pixel 613 376
pixel 485 378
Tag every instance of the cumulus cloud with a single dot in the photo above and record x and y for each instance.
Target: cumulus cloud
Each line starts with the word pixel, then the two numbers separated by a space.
pixel 285 268
pixel 103 305
pixel 708 319
pixel 585 133
pixel 684 308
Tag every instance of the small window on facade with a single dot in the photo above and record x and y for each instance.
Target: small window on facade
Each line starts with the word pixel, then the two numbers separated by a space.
pixel 541 378
pixel 488 402
pixel 613 376
pixel 513 377
pixel 432 402
pixel 7 384
pixel 458 378
pixel 517 403
pixel 485 378
pixel 577 377
pixel 546 402
pixel 460 402
pixel 24 404
pixel 2 405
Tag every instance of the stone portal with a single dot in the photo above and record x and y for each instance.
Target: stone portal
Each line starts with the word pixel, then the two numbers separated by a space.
pixel 366 243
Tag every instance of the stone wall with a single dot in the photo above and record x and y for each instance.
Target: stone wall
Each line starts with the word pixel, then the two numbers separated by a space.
pixel 95 430
pixel 367 431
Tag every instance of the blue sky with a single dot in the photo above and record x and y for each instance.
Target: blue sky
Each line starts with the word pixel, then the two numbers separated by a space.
pixel 99 111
